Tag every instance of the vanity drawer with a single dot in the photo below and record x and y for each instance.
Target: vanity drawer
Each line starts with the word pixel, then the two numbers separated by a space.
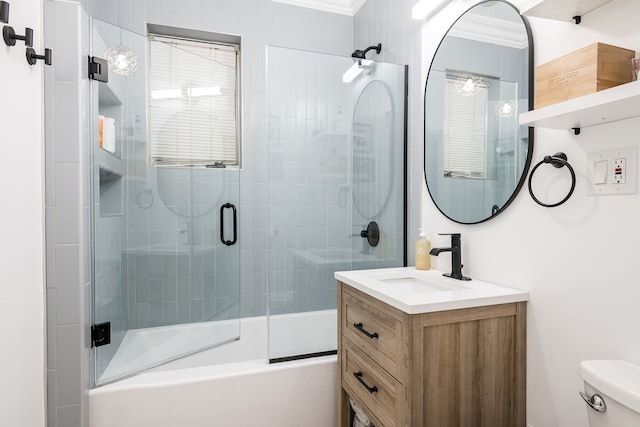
pixel 382 394
pixel 378 334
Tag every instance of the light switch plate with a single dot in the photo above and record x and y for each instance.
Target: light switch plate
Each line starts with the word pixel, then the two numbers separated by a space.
pixel 613 183
pixel 600 172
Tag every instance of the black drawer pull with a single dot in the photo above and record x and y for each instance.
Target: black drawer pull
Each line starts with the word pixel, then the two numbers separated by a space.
pixel 359 327
pixel 358 376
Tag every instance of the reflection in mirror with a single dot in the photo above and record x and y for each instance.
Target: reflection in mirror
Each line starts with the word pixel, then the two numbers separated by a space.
pixel 190 192
pixel 373 133
pixel 476 154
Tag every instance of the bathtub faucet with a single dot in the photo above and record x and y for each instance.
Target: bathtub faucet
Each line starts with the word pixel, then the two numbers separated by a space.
pixel 456 256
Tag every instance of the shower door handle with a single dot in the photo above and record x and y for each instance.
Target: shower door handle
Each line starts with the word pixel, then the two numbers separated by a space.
pixel 235 224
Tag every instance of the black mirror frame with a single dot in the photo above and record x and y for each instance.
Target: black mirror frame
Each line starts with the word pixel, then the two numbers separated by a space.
pixel 531 81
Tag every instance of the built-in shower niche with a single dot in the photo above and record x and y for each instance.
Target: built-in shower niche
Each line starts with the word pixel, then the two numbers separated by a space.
pixel 110 162
pixel 111 183
pixel 110 193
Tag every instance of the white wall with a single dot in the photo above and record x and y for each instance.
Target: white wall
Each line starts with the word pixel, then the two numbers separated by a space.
pixel 21 226
pixel 578 260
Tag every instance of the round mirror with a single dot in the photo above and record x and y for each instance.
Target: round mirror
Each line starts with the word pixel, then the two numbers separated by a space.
pixel 476 154
pixel 190 192
pixel 372 132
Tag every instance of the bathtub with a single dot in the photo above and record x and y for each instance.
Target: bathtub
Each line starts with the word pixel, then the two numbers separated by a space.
pixel 232 385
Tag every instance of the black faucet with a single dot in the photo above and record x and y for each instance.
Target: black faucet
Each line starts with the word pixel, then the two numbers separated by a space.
pixel 456 256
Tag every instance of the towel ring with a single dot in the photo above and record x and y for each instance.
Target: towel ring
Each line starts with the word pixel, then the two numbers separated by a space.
pixel 558 160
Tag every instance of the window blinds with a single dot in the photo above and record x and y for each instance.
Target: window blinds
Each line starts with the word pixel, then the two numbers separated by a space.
pixel 193 105
pixel 464 131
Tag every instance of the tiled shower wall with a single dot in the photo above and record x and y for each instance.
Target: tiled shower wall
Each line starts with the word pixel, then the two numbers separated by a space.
pixel 314 174
pixel 309 116
pixel 69 300
pixel 259 23
pixel 69 357
pixel 389 22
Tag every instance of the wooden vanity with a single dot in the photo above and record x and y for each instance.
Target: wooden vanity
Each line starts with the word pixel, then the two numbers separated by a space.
pixel 445 368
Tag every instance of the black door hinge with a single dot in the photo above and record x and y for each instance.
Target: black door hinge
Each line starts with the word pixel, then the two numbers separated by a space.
pixel 98 69
pixel 100 334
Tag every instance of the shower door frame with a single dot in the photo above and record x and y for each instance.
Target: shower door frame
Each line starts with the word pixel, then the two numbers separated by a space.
pixel 401 101
pixel 217 244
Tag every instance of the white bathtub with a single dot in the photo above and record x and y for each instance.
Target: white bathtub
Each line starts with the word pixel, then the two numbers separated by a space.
pixel 232 385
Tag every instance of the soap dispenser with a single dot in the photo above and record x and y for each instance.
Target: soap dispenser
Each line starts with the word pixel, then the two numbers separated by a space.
pixel 423 247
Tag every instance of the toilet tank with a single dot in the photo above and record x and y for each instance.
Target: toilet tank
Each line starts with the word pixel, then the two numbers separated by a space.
pixel 617 382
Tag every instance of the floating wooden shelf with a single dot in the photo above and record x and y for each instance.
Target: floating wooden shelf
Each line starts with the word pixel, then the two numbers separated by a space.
pixel 560 10
pixel 618 103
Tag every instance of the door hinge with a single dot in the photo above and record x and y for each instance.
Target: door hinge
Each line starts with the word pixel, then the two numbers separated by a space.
pixel 98 69
pixel 100 334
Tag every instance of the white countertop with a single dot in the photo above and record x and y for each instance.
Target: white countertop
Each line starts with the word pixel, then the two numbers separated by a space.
pixel 423 291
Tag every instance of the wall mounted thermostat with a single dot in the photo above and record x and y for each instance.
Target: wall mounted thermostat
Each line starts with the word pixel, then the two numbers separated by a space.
pixel 613 171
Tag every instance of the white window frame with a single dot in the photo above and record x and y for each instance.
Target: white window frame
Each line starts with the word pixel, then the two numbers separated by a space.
pixel 191 123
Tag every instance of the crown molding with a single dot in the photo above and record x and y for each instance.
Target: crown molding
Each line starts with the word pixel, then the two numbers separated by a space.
pixel 342 7
pixel 490 30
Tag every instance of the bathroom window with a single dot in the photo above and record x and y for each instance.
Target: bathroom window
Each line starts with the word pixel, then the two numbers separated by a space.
pixel 194 102
pixel 465 123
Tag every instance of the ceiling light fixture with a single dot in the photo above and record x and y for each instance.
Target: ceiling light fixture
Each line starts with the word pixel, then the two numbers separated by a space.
pixel 470 85
pixel 122 60
pixel 506 108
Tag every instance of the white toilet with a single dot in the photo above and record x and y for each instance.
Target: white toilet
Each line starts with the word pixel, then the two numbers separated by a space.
pixel 612 392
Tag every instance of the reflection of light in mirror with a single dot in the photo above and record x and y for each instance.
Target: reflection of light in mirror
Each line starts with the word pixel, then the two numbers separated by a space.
pixel 470 85
pixel 122 60
pixel 506 108
pixel 356 69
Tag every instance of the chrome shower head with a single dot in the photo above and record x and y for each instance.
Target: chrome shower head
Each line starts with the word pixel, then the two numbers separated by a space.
pixel 360 54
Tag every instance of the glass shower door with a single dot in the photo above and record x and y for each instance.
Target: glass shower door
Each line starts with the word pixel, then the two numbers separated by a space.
pixel 166 258
pixel 336 164
pixel 378 150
